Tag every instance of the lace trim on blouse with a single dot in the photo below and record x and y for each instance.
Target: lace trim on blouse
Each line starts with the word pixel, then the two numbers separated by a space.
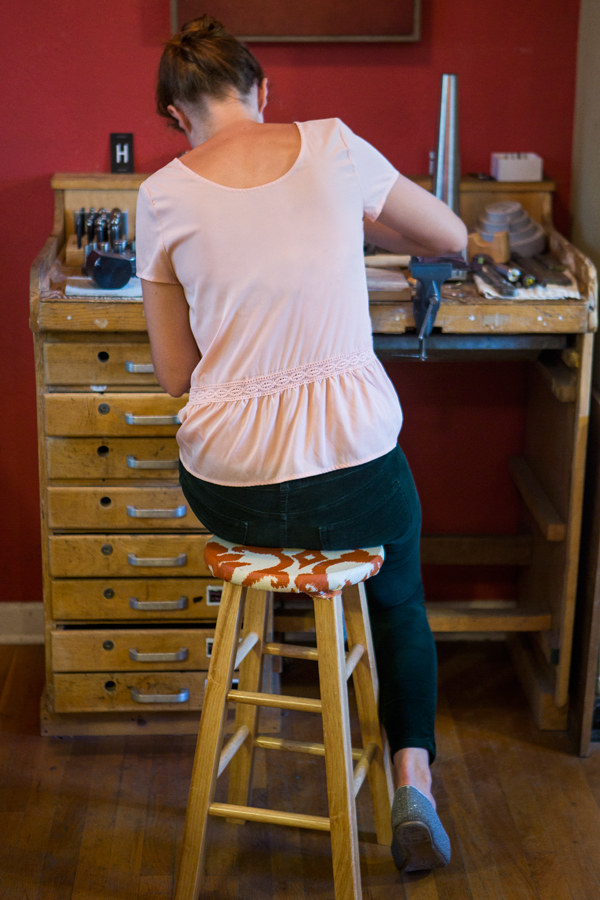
pixel 263 385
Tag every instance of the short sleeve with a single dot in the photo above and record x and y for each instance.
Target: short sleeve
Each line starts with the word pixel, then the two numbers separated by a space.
pixel 375 174
pixel 152 260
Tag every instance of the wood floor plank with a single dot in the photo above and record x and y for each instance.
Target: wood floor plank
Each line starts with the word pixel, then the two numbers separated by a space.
pixel 156 887
pixel 62 852
pixel 167 797
pixel 502 835
pixel 548 876
pixel 127 840
pixel 96 838
pixel 480 867
pixel 26 846
pixel 568 818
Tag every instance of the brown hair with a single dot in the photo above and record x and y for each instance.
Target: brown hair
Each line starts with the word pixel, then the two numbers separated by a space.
pixel 203 59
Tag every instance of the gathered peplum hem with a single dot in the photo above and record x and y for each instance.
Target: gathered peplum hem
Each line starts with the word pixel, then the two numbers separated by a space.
pixel 263 385
pixel 304 421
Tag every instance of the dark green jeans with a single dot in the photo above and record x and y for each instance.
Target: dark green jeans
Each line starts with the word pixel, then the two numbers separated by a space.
pixel 362 506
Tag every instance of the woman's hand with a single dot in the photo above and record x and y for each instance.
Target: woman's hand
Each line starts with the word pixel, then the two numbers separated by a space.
pixel 415 222
pixel 175 353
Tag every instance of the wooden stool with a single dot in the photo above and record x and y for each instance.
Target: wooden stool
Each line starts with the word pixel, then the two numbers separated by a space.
pixel 333 579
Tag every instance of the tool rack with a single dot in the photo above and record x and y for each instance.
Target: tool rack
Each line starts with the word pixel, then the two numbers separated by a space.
pixel 125 594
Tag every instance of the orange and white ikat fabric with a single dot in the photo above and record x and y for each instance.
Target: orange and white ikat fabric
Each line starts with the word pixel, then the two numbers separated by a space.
pixel 317 572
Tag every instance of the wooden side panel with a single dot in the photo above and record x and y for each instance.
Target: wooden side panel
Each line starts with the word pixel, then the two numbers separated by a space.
pixel 587 625
pixel 556 436
pixel 104 556
pixel 79 415
pixel 110 598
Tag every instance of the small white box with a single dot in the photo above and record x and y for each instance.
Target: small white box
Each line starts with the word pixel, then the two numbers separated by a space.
pixel 517 167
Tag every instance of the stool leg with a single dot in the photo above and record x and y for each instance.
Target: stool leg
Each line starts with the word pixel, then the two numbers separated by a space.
pixel 240 771
pixel 366 687
pixel 210 738
pixel 338 747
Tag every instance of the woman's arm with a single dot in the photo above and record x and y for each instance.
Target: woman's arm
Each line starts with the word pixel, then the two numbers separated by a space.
pixel 414 221
pixel 175 353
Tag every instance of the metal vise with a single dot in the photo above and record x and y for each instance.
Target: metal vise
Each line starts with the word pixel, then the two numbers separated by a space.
pixel 430 273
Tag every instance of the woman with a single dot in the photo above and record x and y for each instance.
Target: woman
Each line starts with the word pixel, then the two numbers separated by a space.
pixel 250 251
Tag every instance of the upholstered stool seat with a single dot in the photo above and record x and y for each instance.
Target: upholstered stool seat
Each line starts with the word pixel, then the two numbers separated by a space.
pixel 334 581
pixel 316 572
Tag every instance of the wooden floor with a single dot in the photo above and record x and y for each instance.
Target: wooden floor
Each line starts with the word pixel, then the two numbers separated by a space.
pixel 100 818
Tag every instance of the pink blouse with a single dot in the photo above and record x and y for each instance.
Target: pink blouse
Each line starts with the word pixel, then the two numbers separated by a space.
pixel 288 385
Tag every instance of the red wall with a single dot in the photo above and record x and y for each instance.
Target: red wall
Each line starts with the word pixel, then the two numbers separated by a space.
pixel 73 72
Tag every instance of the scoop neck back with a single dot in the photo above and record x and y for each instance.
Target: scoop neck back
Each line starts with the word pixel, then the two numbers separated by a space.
pixel 256 187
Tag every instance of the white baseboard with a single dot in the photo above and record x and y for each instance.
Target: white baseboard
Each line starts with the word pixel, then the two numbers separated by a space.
pixel 21 623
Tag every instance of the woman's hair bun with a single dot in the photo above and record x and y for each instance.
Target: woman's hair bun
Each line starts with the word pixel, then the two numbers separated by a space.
pixel 203 27
pixel 204 60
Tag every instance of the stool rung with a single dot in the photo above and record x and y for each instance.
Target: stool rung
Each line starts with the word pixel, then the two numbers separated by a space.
pixel 271 816
pixel 362 766
pixel 291 651
pixel 315 749
pixel 245 647
pixel 231 747
pixel 303 704
pixel 296 651
pixel 352 658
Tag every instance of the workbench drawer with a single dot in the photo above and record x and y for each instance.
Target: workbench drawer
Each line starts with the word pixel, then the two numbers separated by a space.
pixel 131 649
pixel 96 458
pixel 127 555
pixel 131 508
pixel 98 363
pixel 128 691
pixel 140 600
pixel 111 414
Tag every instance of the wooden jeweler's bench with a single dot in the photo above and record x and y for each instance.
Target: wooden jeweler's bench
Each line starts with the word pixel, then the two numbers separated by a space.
pixel 130 606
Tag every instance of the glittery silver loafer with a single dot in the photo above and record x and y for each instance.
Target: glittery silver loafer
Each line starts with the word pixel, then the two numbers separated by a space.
pixel 419 841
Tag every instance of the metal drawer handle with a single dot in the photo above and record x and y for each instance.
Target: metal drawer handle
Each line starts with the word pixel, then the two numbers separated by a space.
pixel 176 513
pixel 134 463
pixel 139 368
pixel 158 605
pixel 176 656
pixel 151 420
pixel 180 697
pixel 179 560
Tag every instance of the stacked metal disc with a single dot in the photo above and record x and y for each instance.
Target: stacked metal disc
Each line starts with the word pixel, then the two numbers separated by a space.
pixel 526 237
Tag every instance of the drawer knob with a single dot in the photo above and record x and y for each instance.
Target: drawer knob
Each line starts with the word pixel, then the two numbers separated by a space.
pixel 108 645
pixel 176 513
pixel 108 593
pixel 139 368
pixel 150 420
pixel 135 463
pixel 179 560
pixel 175 656
pixel 180 697
pixel 106 549
pixel 103 356
pixel 158 605
pixel 103 408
